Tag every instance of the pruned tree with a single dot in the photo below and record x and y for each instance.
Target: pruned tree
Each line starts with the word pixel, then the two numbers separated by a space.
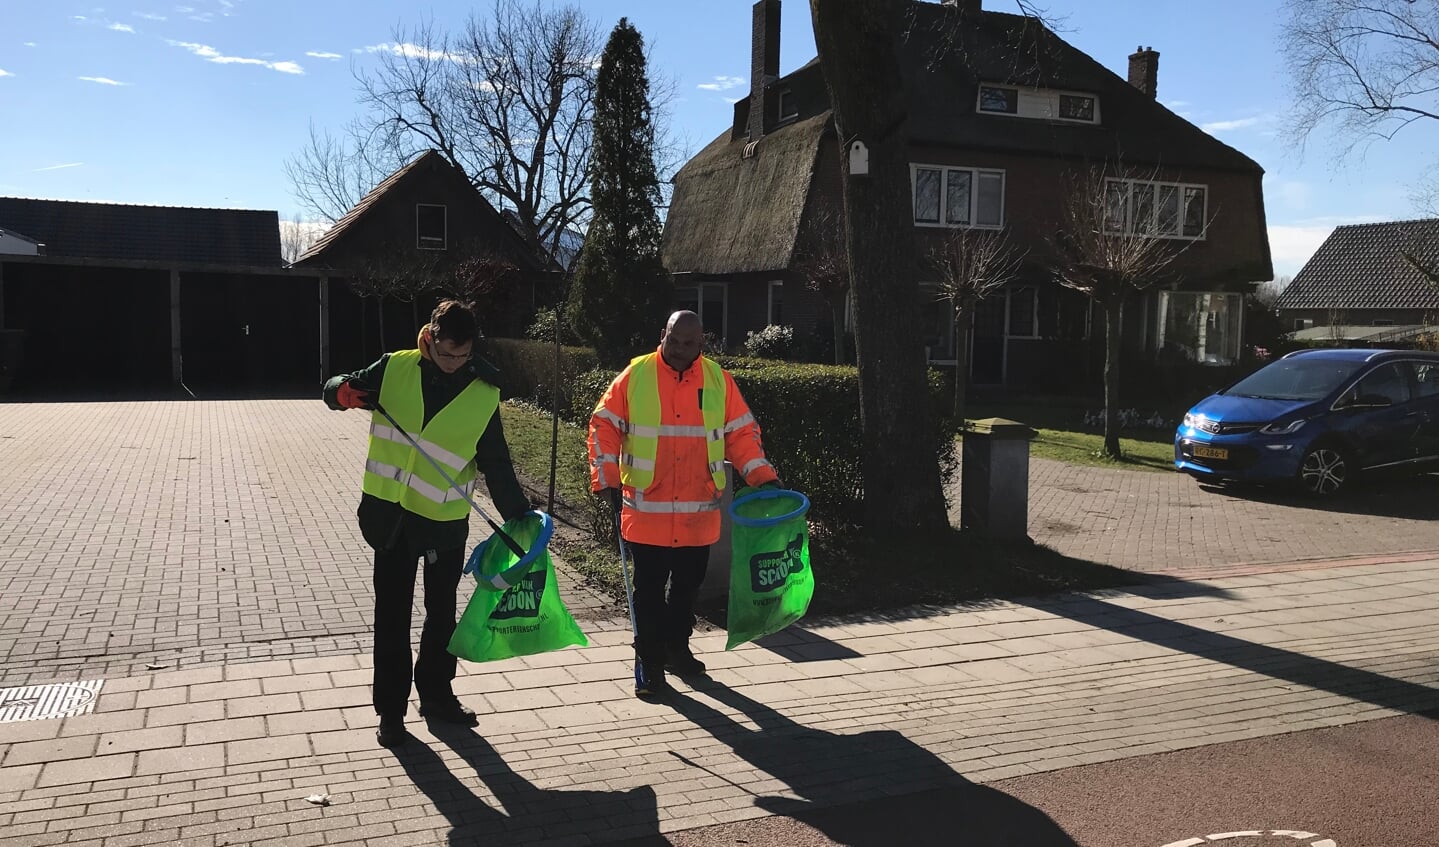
pixel 296 236
pixel 971 265
pixel 858 46
pixel 1101 254
pixel 620 290
pixel 1367 68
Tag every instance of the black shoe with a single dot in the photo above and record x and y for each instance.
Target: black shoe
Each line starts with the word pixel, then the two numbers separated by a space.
pixel 449 711
pixel 650 680
pixel 680 661
pixel 392 732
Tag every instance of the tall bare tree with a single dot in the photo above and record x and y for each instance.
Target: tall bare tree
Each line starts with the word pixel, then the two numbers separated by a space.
pixel 1101 253
pixel 972 265
pixel 858 45
pixel 1368 68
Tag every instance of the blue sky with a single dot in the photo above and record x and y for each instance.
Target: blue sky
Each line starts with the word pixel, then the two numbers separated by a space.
pixel 200 102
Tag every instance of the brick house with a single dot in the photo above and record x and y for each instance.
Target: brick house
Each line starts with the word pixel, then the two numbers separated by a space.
pixel 1360 287
pixel 1003 113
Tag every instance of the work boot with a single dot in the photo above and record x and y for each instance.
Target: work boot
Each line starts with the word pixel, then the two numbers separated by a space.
pixel 682 662
pixel 392 732
pixel 650 680
pixel 449 711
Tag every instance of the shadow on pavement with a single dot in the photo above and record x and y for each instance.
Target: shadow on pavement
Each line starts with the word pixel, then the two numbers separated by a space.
pixel 1274 662
pixel 1408 498
pixel 530 814
pixel 870 789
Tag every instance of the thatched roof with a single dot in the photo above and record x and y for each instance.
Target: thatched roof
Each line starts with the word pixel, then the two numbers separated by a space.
pixel 732 214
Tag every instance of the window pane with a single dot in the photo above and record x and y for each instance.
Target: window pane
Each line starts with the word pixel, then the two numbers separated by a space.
pixel 1021 313
pixel 687 299
pixel 788 106
pixel 1193 212
pixel 1388 383
pixel 1076 108
pixel 1004 100
pixel 1141 208
pixel 430 226
pixel 712 313
pixel 989 210
pixel 1168 210
pixel 1427 377
pixel 776 303
pixel 1116 203
pixel 926 196
pixel 956 199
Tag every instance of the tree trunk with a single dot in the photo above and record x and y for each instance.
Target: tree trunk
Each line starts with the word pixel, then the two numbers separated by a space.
pixel 1113 325
pixel 858 52
pixel 961 365
pixel 836 308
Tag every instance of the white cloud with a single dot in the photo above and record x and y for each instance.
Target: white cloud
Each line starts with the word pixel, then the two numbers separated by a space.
pixel 415 51
pixel 103 80
pixel 121 27
pixel 4 73
pixel 1292 246
pixel 1228 126
pixel 78 18
pixel 722 83
pixel 185 10
pixel 31 44
pixel 205 51
pixel 316 54
pixel 732 100
pixel 149 16
pixel 59 167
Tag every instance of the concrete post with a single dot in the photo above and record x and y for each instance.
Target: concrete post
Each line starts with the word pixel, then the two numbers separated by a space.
pixel 994 494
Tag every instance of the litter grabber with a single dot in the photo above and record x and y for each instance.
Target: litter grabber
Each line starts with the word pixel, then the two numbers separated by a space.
pixel 642 683
pixel 509 542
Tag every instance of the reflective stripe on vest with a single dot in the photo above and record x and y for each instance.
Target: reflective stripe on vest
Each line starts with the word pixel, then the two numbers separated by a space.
pixel 643 430
pixel 396 472
pixel 670 507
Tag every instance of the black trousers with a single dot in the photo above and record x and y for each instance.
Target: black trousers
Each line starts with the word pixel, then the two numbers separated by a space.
pixel 434 671
pixel 661 619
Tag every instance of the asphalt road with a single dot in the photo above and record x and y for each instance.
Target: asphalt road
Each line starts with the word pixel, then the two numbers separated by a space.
pixel 1373 784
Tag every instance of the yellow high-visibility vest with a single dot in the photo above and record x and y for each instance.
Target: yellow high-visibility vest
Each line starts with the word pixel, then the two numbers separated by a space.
pixel 396 472
pixel 644 429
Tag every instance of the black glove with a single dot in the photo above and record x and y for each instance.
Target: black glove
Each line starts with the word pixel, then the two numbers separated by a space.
pixel 612 496
pixel 774 483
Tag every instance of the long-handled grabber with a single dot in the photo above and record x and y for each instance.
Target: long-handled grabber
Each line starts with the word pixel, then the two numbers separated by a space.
pixel 509 542
pixel 641 679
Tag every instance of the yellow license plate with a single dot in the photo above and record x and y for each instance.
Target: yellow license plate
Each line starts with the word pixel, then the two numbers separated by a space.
pixel 1210 453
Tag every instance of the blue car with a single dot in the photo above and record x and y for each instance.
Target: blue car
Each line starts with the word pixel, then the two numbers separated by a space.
pixel 1319 418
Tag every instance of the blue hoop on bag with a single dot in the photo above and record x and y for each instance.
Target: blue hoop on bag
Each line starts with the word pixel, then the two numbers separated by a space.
pixel 767 494
pixel 514 573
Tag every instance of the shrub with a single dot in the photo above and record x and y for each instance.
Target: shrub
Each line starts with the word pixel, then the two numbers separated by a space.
pixel 543 329
pixel 772 342
pixel 585 393
pixel 527 369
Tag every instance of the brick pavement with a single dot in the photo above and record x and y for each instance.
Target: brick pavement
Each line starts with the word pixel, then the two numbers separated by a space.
pixel 197 533
pixel 838 712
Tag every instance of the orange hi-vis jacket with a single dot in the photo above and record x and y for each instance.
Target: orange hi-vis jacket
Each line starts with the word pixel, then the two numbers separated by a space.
pixel 681 505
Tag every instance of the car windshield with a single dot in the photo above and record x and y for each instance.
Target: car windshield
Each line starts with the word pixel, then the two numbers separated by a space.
pixel 1295 379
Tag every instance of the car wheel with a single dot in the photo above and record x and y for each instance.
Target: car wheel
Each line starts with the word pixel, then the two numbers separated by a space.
pixel 1326 470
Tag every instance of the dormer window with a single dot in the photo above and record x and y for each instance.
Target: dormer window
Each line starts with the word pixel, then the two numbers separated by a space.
pixel 1039 103
pixel 788 106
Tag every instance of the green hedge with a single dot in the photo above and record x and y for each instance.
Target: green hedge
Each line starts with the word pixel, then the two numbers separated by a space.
pixel 809 415
pixel 527 369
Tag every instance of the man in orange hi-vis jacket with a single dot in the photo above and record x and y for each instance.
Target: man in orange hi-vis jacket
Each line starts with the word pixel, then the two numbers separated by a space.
pixel 658 441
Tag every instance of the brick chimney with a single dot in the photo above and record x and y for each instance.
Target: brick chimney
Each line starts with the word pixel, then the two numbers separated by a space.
pixel 1144 70
pixel 764 65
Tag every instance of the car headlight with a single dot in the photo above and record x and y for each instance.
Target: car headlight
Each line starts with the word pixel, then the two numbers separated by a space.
pixel 1191 420
pixel 1283 427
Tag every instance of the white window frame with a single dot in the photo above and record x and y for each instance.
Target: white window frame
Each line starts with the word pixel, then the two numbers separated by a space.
pixel 699 291
pixel 419 239
pixel 1235 308
pixel 769 300
pixel 1036 103
pixel 780 115
pixel 974 174
pixel 1127 227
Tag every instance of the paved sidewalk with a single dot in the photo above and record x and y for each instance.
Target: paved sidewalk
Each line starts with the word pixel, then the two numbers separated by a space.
pixel 564 755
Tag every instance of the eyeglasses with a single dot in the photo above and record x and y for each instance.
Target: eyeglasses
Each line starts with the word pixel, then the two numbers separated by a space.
pixel 451 357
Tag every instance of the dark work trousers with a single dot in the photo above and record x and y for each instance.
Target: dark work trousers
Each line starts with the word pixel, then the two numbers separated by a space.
pixel 394 592
pixel 659 619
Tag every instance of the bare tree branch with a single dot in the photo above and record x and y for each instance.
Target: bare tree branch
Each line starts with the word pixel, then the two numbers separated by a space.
pixel 971 265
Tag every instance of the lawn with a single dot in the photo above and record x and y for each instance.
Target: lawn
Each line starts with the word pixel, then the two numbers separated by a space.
pixel 1063 437
pixel 854 571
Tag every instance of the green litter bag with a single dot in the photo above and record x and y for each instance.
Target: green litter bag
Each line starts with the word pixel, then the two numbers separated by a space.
pixel 516 609
pixel 770 581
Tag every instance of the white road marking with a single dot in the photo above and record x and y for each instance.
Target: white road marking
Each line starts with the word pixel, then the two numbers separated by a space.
pixel 1296 834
